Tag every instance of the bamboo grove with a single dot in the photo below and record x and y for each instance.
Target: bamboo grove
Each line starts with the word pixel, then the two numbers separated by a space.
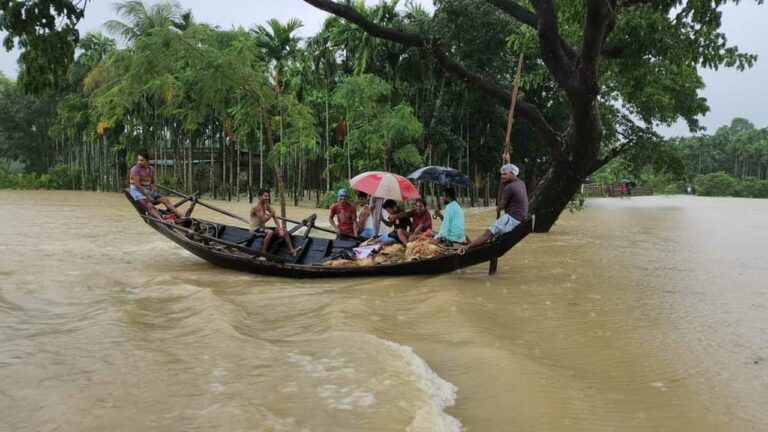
pixel 222 110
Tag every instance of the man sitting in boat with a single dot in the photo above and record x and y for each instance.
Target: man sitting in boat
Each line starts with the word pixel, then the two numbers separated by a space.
pixel 345 215
pixel 452 229
pixel 420 222
pixel 143 187
pixel 389 210
pixel 513 204
pixel 364 216
pixel 261 213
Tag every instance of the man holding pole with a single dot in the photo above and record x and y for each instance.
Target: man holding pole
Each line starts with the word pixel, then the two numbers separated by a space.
pixel 144 190
pixel 513 204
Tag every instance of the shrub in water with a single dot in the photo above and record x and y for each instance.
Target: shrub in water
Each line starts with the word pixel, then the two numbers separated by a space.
pixel 715 184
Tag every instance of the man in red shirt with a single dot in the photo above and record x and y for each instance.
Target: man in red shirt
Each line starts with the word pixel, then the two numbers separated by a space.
pixel 420 222
pixel 345 214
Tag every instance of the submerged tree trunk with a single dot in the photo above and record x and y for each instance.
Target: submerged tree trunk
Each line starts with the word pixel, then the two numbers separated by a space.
pixel 237 173
pixel 275 163
pixel 261 157
pixel 327 144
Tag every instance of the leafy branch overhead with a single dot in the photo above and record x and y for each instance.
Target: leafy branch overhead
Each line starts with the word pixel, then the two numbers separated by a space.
pixel 604 59
pixel 380 86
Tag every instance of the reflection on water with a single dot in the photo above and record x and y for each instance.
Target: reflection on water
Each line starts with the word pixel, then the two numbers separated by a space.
pixel 650 314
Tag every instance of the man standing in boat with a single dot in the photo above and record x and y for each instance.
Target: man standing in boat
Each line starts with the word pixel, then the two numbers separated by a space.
pixel 143 188
pixel 261 213
pixel 345 214
pixel 513 205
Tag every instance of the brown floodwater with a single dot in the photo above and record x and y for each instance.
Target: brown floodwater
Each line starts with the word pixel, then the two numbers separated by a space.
pixel 641 315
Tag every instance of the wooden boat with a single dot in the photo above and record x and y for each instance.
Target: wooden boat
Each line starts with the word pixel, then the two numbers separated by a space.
pixel 235 248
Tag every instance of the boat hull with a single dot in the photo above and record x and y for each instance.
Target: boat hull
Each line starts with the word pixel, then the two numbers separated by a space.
pixel 248 263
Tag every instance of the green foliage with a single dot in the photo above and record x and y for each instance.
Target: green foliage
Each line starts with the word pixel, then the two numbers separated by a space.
pixel 722 184
pixel 379 136
pixel 24 125
pixel 738 149
pixel 716 184
pixel 59 177
pixel 577 203
pixel 66 177
pixel 330 197
pixel 170 181
pixel 12 180
pixel 45 32
pixel 177 83
pixel 750 187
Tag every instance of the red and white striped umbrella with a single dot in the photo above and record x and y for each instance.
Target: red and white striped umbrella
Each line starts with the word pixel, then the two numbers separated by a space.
pixel 385 185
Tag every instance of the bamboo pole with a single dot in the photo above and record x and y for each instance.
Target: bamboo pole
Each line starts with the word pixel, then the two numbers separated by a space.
pixel 212 207
pixel 507 143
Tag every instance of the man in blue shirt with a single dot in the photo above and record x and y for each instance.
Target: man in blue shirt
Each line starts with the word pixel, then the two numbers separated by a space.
pixel 452 229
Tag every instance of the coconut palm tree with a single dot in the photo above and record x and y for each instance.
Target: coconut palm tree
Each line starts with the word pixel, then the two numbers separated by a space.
pixel 139 18
pixel 279 44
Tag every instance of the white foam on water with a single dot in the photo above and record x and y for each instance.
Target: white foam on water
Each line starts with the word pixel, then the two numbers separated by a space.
pixel 440 394
pixel 342 386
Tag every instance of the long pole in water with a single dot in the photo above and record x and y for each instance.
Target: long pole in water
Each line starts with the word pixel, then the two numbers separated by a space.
pixel 222 211
pixel 214 208
pixel 507 141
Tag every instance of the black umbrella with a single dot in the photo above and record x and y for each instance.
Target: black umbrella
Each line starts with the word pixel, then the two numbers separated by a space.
pixel 442 175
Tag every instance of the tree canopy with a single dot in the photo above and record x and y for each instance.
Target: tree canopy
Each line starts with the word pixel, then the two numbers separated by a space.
pixel 380 86
pixel 599 76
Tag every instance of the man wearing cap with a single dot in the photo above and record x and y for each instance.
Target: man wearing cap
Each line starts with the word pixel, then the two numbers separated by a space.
pixel 346 216
pixel 513 204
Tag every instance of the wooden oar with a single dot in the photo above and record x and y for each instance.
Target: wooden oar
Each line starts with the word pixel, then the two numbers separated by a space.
pixel 319 228
pixel 222 211
pixel 212 207
pixel 510 120
pixel 214 239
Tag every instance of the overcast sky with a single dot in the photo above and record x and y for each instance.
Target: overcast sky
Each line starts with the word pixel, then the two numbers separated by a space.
pixel 730 93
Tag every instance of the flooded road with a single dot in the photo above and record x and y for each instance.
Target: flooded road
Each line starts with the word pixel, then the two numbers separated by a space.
pixel 641 315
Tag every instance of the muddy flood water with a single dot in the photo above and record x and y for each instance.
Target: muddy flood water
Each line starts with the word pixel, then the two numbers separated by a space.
pixel 641 315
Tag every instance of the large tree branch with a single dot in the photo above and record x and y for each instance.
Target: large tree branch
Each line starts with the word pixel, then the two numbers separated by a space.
pixel 632 135
pixel 516 11
pixel 599 22
pixel 352 15
pixel 561 67
pixel 530 19
pixel 524 110
pixel 629 4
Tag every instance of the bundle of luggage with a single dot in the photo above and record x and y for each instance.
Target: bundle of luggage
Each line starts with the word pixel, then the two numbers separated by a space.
pixel 377 254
